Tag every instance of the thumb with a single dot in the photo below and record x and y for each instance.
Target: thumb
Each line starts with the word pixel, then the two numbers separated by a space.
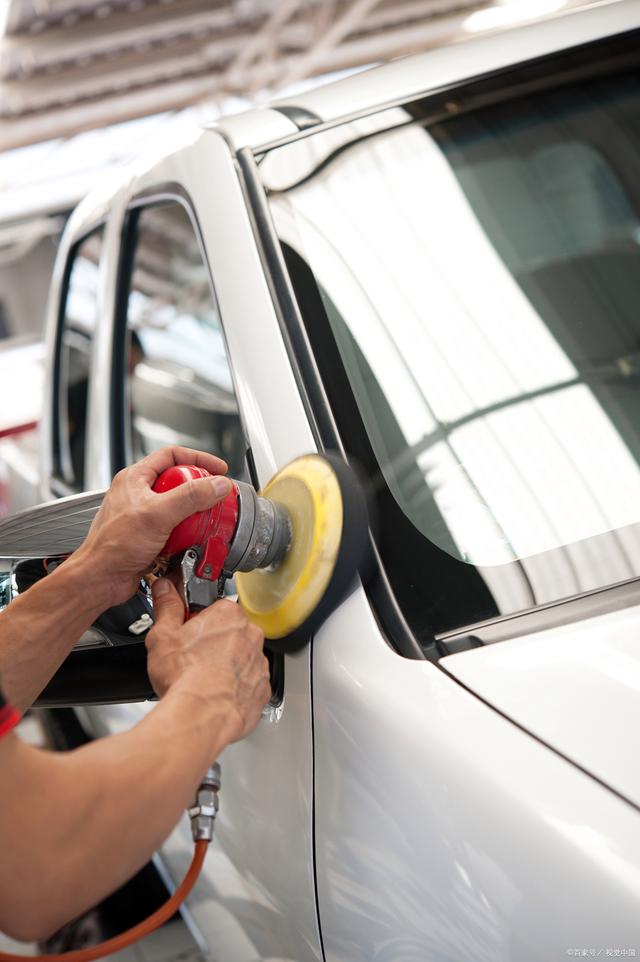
pixel 194 496
pixel 168 606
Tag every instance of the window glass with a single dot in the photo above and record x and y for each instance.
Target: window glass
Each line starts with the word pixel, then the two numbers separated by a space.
pixel 178 387
pixel 480 279
pixel 74 359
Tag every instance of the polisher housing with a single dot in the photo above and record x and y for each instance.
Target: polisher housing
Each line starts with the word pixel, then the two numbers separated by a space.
pixel 241 532
pixel 295 547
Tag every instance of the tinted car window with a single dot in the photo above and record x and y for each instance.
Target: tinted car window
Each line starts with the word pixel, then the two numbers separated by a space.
pixel 476 280
pixel 79 319
pixel 177 382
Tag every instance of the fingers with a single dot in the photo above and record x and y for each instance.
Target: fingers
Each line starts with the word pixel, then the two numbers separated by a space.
pixel 191 497
pixel 168 606
pixel 218 654
pixel 154 464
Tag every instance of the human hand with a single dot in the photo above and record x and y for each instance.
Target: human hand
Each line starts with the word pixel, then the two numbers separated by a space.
pixel 134 522
pixel 216 655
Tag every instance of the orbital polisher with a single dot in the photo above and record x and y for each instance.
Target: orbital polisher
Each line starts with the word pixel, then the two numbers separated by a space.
pixel 294 548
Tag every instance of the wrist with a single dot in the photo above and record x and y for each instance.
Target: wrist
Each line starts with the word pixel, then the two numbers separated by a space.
pixel 211 712
pixel 104 588
pixel 82 578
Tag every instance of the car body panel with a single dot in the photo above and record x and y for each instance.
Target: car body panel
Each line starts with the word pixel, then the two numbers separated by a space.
pixel 576 688
pixel 445 832
pixel 255 127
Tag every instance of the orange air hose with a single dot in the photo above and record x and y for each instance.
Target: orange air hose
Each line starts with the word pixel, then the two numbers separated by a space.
pixel 163 914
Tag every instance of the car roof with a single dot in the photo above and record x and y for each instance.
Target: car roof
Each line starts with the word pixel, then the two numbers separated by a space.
pixel 411 77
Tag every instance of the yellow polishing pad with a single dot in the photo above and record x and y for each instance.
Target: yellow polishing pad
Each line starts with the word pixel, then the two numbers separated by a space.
pixel 279 600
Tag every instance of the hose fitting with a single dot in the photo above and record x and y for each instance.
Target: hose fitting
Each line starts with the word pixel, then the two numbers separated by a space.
pixel 205 806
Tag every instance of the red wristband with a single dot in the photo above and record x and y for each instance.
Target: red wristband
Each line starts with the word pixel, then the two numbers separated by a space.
pixel 9 718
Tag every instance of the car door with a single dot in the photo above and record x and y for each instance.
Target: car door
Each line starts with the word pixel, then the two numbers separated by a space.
pixel 197 357
pixel 470 801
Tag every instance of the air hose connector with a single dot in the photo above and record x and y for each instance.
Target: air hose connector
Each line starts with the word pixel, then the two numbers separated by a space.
pixel 205 806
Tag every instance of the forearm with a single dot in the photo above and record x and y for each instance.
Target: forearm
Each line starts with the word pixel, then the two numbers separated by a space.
pixel 108 807
pixel 39 628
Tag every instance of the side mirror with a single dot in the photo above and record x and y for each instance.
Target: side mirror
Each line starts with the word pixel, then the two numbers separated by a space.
pixel 49 530
pixel 108 664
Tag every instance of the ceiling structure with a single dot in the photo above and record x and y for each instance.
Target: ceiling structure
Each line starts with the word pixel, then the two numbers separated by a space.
pixel 72 65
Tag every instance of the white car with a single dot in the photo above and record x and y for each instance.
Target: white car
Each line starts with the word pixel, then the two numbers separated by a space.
pixel 433 267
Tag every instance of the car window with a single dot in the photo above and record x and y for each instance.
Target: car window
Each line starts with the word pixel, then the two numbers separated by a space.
pixel 478 278
pixel 176 378
pixel 77 328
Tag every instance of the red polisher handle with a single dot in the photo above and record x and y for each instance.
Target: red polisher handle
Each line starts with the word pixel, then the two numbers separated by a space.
pixel 210 532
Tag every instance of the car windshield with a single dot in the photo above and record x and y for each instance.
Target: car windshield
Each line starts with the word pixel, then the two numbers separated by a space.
pixel 480 276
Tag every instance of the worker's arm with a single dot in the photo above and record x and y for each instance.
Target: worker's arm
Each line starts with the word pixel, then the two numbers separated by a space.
pixel 39 628
pixel 75 826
